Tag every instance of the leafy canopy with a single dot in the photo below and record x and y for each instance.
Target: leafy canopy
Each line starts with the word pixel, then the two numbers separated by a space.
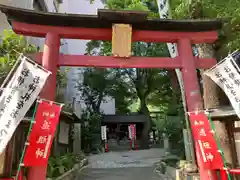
pixel 10 47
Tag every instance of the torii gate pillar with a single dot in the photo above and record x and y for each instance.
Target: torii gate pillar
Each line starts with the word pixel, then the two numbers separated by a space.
pixel 193 95
pixel 49 62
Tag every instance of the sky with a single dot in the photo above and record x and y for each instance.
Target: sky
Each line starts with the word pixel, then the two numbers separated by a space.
pixel 79 7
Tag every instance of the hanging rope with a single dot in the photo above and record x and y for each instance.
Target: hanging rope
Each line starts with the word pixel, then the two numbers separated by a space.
pixel 26 143
pixel 219 146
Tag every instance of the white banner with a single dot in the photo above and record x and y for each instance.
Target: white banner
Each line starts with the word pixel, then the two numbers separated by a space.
pixel 129 132
pixel 104 132
pixel 20 93
pixel 226 75
pixel 132 131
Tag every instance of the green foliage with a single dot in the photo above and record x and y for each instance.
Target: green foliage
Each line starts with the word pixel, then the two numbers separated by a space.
pixel 97 83
pixel 126 5
pixel 170 125
pixel 141 82
pixel 171 122
pixel 144 82
pixel 228 11
pixel 58 165
pixel 10 47
pixel 61 85
pixel 149 86
pixel 152 87
pixel 133 82
pixel 91 139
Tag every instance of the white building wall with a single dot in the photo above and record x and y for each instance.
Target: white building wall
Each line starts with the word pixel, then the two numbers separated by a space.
pixel 78 47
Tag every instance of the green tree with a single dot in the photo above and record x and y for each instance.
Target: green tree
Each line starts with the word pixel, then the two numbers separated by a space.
pixel 229 40
pixel 122 91
pixel 10 47
pixel 228 11
pixel 99 83
pixel 61 85
pixel 95 87
pixel 142 82
pixel 147 84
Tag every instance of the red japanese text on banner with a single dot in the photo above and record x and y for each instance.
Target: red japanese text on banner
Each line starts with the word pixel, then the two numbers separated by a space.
pixel 41 137
pixel 202 133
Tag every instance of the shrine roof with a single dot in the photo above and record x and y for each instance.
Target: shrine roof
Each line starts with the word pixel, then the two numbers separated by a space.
pixel 105 19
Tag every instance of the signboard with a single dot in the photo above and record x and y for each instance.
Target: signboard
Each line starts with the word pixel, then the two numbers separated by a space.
pixel 42 135
pixel 104 132
pixel 226 75
pixel 132 131
pixel 20 93
pixel 77 138
pixel 63 132
pixel 203 135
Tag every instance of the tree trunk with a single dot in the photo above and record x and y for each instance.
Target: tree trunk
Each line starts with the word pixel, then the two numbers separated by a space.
pixel 144 141
pixel 175 89
pixel 214 97
pixel 174 80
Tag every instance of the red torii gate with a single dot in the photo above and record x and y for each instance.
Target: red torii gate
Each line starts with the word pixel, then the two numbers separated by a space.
pixel 53 27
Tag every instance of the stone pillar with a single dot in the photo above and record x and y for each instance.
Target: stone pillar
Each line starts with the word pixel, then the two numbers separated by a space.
pixel 77 138
pixel 166 144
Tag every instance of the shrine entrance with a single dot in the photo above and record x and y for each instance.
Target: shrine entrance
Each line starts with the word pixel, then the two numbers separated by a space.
pixel 122 28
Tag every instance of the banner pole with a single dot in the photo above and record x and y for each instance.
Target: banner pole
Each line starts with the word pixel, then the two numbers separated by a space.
pixel 32 61
pixel 26 143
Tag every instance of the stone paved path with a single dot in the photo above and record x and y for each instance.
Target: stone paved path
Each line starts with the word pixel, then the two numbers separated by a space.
pixel 131 165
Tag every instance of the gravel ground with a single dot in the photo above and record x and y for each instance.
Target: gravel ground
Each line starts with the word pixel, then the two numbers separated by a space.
pixel 131 165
